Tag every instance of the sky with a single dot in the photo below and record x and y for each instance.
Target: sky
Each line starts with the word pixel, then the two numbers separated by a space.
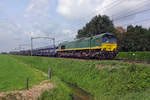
pixel 60 19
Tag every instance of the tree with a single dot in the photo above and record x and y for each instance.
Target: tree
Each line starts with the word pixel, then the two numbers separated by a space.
pixel 98 25
pixel 135 39
pixel 120 33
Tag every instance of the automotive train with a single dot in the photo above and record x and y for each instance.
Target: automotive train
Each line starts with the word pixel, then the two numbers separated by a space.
pixel 103 46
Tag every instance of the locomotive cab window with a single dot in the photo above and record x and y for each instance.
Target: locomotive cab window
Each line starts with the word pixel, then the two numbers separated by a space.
pixel 105 40
pixel 109 39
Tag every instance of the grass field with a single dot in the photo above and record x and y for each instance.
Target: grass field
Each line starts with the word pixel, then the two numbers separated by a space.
pixel 134 55
pixel 105 80
pixel 13 74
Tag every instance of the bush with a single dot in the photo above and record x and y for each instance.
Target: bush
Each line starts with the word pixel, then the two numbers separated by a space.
pixel 134 55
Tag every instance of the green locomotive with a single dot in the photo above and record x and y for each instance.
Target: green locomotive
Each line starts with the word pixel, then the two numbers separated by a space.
pixel 100 46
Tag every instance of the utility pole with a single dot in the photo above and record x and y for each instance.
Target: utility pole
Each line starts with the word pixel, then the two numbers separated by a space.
pixel 54 42
pixel 32 38
pixel 31 45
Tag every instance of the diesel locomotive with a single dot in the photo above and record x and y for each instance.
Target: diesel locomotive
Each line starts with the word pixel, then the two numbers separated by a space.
pixel 103 46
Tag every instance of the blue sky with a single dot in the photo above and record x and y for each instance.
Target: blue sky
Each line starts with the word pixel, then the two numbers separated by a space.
pixel 21 19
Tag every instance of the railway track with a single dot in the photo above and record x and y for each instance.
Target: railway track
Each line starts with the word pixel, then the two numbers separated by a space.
pixel 116 59
pixel 124 60
pixel 134 61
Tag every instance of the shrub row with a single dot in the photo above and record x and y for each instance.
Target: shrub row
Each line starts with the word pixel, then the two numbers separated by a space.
pixel 134 55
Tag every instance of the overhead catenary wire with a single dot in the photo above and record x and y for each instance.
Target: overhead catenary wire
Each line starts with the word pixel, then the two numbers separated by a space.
pixel 133 12
pixel 108 6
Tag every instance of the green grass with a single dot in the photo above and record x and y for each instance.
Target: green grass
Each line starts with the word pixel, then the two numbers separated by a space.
pixel 13 74
pixel 59 92
pixel 118 81
pixel 134 55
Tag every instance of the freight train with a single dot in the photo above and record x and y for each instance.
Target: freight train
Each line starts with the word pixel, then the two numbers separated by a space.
pixel 103 46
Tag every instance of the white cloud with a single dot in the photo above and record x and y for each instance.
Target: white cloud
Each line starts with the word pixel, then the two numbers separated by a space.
pixel 37 8
pixel 69 33
pixel 11 35
pixel 37 14
pixel 75 9
pixel 38 18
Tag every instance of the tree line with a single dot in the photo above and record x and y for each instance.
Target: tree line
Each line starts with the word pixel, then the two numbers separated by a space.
pixel 134 38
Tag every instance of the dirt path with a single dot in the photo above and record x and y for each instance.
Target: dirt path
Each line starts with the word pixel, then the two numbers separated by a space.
pixel 31 94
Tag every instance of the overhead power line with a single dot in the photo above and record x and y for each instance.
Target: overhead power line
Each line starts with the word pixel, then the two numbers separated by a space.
pixel 116 3
pixel 113 4
pixel 131 14
pixel 108 6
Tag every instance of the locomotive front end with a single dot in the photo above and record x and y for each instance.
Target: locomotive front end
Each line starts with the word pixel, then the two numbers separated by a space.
pixel 109 46
pixel 109 43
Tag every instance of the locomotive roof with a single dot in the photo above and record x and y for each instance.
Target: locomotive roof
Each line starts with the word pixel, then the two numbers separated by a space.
pixel 87 38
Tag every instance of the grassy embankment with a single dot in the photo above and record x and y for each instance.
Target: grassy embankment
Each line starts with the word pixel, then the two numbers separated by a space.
pixel 105 80
pixel 13 75
pixel 59 92
pixel 145 56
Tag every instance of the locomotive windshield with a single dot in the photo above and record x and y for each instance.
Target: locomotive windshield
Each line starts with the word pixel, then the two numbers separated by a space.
pixel 109 39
